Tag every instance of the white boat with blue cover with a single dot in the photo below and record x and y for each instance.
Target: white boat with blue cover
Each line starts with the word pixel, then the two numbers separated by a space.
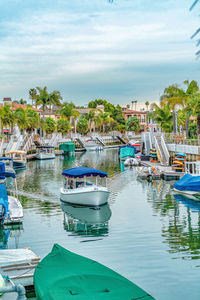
pixel 11 211
pixel 79 190
pixel 19 159
pixel 8 161
pixel 188 185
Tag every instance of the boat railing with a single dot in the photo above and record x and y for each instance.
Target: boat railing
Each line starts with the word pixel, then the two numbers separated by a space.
pixel 192 167
pixel 28 143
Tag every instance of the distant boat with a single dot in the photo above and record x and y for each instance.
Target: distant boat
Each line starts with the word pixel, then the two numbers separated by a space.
pixel 131 162
pixel 148 173
pixel 189 185
pixel 64 275
pixel 19 159
pixel 92 146
pixel 80 188
pixel 11 211
pixel 45 152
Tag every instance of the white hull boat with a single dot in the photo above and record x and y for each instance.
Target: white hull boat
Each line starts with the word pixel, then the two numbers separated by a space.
pixel 15 211
pixel 90 196
pixel 131 162
pixel 42 156
pixel 189 193
pixel 76 189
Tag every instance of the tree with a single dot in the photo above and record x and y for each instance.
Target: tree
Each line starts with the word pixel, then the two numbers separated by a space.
pixel 63 126
pixel 49 125
pixel 147 104
pixel 20 115
pixel 66 111
pixel 7 116
pixel 133 124
pixel 32 118
pixel 76 115
pixel 32 95
pixel 42 97
pixel 163 116
pixel 54 98
pixel 82 126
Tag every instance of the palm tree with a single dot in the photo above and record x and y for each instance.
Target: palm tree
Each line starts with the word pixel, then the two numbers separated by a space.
pixel 104 119
pixel 66 110
pixel 163 116
pixel 42 98
pixel 54 98
pixel 91 118
pixel 21 118
pixel 147 104
pixel 76 115
pixel 32 119
pixel 32 94
pixel 7 116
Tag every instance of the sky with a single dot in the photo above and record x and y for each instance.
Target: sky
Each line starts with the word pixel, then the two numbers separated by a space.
pixel 92 49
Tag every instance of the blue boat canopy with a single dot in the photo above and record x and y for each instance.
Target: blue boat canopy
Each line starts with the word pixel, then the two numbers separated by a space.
pixel 45 147
pixel 188 183
pixel 6 158
pixel 3 173
pixel 83 171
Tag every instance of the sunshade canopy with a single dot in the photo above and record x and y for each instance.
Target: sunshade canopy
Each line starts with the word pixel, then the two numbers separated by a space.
pixel 80 172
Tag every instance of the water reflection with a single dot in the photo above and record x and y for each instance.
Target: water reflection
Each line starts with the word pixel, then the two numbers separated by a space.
pixel 11 231
pixel 88 221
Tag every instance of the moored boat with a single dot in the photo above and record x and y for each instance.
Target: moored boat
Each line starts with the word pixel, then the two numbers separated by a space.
pixel 189 185
pixel 91 145
pixel 131 162
pixel 45 152
pixel 64 275
pixel 8 161
pixel 79 190
pixel 126 152
pixel 11 211
pixel 19 159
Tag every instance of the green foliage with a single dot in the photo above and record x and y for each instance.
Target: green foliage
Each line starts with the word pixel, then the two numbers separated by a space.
pixel 66 110
pixel 133 124
pixel 49 125
pixel 21 118
pixel 82 126
pixel 163 116
pixel 63 126
pixel 192 130
pixel 42 97
pixel 7 116
pixel 32 119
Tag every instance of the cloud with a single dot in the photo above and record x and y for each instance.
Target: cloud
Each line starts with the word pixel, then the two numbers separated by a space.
pixel 56 46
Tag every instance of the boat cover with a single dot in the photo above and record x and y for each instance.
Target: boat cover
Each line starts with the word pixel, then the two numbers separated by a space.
pixel 188 183
pixel 67 147
pixel 127 152
pixel 6 158
pixel 3 173
pixel 80 172
pixel 64 275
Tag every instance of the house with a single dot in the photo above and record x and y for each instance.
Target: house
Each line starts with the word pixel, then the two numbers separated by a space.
pixel 140 115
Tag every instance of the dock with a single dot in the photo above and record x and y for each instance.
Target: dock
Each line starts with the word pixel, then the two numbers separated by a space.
pixel 166 171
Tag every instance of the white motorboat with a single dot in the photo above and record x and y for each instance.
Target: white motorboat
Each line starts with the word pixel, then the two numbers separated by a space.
pixel 45 152
pixel 79 190
pixel 131 162
pixel 8 161
pixel 92 146
pixel 19 159
pixel 11 211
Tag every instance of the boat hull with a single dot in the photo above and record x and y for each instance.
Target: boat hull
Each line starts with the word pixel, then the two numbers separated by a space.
pixel 42 156
pixel 19 164
pixel 189 193
pixel 87 197
pixel 15 212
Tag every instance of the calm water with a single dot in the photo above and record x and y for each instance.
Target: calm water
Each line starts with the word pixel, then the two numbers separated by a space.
pixel 144 233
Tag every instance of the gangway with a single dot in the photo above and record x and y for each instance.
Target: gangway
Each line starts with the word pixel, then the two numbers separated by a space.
pixel 100 141
pixel 162 150
pixel 122 139
pixel 81 142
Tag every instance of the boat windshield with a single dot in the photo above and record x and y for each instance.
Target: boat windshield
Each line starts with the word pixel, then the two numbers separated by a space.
pixel 75 183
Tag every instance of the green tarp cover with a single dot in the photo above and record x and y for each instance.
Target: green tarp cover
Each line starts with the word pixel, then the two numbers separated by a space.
pixel 63 275
pixel 67 147
pixel 127 152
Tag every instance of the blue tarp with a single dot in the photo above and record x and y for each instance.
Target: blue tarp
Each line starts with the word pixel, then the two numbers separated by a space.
pixel 83 171
pixel 3 173
pixel 127 152
pixel 4 198
pixel 188 183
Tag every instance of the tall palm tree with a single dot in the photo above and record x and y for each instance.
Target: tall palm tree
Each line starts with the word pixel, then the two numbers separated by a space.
pixel 162 116
pixel 21 118
pixel 32 95
pixel 76 115
pixel 7 116
pixel 147 104
pixel 54 98
pixel 66 110
pixel 32 119
pixel 91 118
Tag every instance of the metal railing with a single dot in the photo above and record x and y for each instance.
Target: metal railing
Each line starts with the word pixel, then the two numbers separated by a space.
pixel 192 167
pixel 165 150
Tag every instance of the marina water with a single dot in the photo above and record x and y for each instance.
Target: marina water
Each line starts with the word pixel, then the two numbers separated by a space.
pixel 144 233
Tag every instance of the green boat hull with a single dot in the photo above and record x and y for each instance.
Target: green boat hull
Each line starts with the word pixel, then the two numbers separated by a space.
pixel 64 275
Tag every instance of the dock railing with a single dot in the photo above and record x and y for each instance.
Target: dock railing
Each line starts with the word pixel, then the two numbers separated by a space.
pixel 192 167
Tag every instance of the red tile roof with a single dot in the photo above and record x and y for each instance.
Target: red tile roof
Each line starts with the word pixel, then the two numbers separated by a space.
pixel 17 105
pixel 132 112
